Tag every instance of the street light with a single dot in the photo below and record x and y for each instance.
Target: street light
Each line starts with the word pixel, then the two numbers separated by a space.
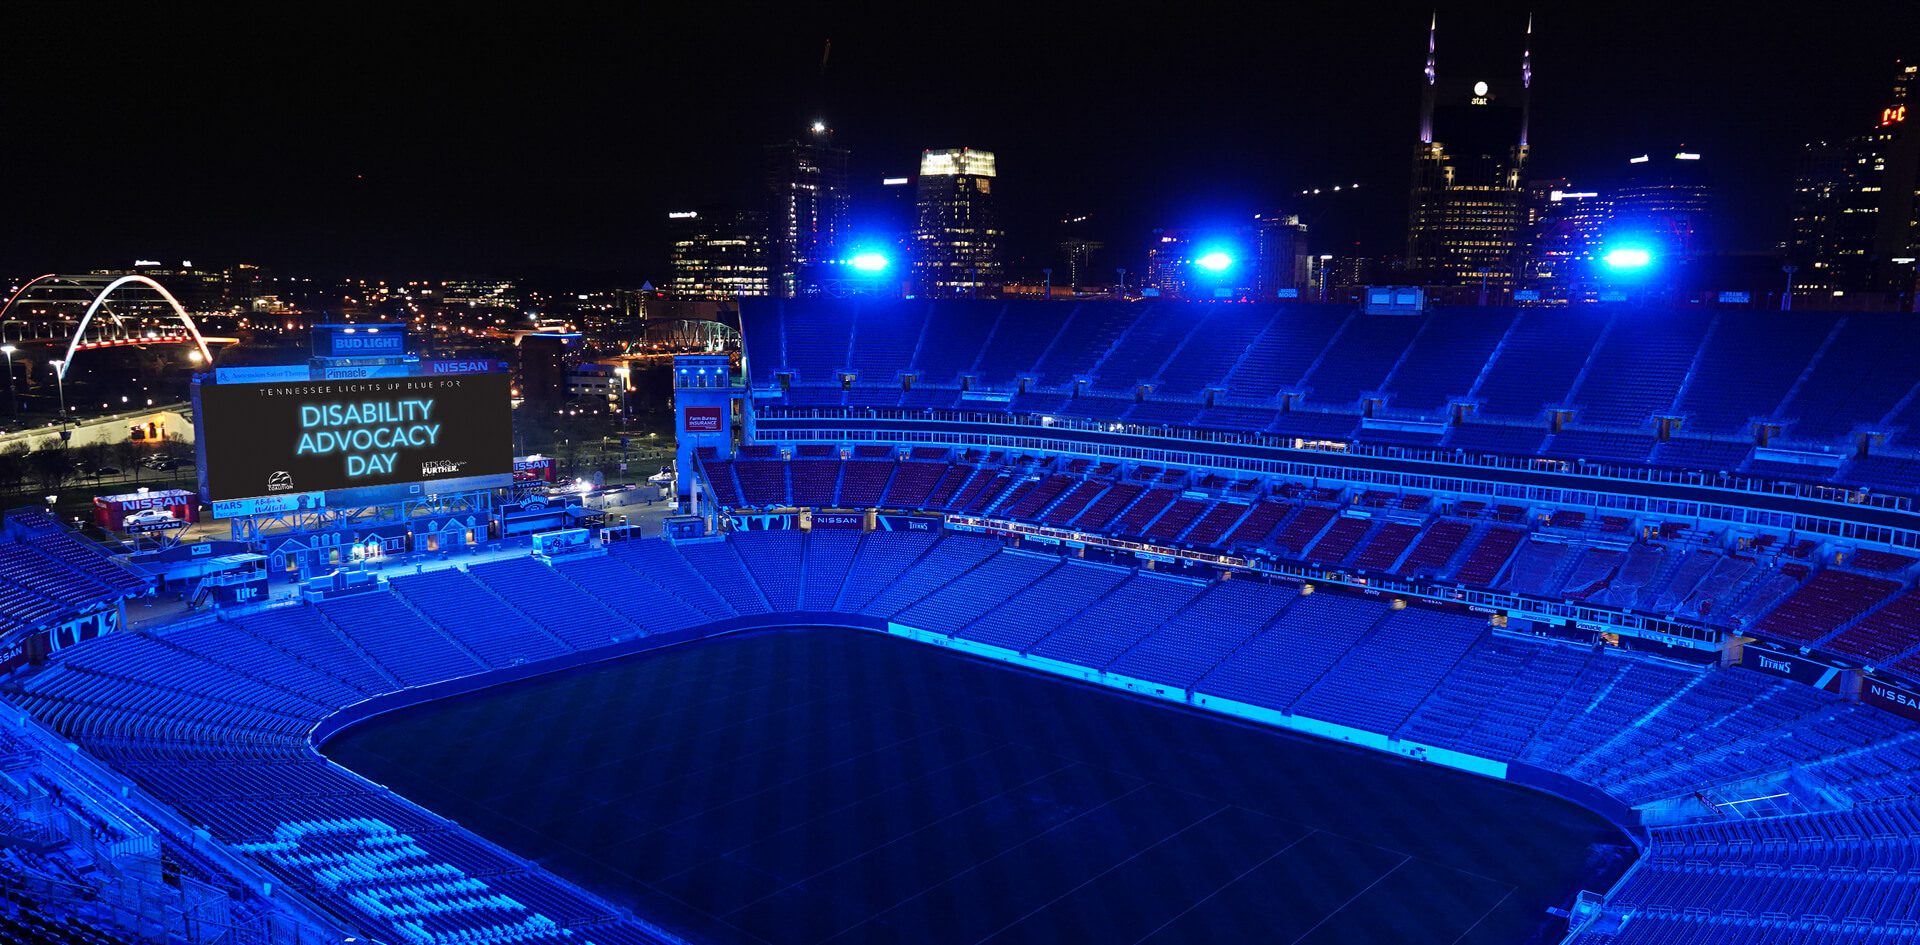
pixel 623 372
pixel 1786 301
pixel 60 381
pixel 13 404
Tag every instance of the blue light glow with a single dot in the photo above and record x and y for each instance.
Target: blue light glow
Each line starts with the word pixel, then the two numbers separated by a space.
pixel 1214 261
pixel 869 262
pixel 1628 257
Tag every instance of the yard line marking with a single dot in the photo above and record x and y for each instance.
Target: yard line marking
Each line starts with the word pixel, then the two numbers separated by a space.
pixel 1217 890
pixel 881 846
pixel 1095 878
pixel 1071 820
pixel 1377 881
pixel 1483 915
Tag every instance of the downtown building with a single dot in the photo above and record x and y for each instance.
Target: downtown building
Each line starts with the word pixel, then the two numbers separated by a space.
pixel 1266 259
pixel 1664 204
pixel 717 256
pixel 807 210
pixel 1567 230
pixel 956 229
pixel 1856 203
pixel 1468 207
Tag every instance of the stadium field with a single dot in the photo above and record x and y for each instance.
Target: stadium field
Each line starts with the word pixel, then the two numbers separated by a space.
pixel 813 786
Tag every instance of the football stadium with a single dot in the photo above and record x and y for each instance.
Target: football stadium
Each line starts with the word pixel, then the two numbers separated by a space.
pixel 1003 621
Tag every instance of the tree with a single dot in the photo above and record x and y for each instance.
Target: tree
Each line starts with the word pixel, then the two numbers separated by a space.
pixel 130 454
pixel 13 466
pixel 92 456
pixel 51 466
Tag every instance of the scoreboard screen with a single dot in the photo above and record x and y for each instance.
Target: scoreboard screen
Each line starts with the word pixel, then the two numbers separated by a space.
pixel 301 437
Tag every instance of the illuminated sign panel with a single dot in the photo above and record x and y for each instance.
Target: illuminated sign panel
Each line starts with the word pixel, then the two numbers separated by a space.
pixel 317 436
pixel 960 161
pixel 349 341
pixel 1893 115
pixel 703 419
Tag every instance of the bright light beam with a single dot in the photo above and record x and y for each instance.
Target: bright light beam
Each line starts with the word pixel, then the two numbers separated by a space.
pixel 1214 261
pixel 1627 257
pixel 869 262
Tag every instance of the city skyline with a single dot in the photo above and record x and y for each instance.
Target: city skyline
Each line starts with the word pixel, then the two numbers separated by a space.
pixel 388 162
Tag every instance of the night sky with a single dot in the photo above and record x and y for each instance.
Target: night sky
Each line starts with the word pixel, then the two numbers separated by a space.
pixel 550 144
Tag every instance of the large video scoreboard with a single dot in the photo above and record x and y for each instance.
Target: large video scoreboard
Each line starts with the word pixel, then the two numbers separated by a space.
pixel 278 440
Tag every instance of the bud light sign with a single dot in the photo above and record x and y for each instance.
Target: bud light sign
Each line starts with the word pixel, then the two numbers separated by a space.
pixel 359 341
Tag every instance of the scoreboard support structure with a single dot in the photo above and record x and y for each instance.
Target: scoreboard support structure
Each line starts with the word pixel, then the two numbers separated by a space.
pixel 263 525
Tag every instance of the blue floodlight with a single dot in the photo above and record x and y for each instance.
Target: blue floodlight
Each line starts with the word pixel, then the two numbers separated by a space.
pixel 1214 261
pixel 869 262
pixel 1627 257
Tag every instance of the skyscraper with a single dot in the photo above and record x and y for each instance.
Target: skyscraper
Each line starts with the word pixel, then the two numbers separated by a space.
pixel 1665 201
pixel 1856 202
pixel 1469 173
pixel 807 208
pixel 1170 264
pixel 1566 233
pixel 718 255
pixel 956 232
pixel 1280 254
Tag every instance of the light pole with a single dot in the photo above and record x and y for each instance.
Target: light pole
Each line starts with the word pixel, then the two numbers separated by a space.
pixel 623 372
pixel 1122 271
pixel 1048 275
pixel 60 381
pixel 1483 285
pixel 13 404
pixel 1786 301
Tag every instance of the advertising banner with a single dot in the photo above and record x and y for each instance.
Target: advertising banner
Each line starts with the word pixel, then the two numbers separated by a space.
pixel 702 420
pixel 1900 701
pixel 1790 666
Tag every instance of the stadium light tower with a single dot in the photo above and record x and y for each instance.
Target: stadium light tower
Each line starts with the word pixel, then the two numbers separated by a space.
pixel 1216 261
pixel 1628 257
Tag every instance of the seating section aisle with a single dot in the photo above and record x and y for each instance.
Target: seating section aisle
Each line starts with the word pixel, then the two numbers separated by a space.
pixel 490 628
pixel 556 603
pixel 396 637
